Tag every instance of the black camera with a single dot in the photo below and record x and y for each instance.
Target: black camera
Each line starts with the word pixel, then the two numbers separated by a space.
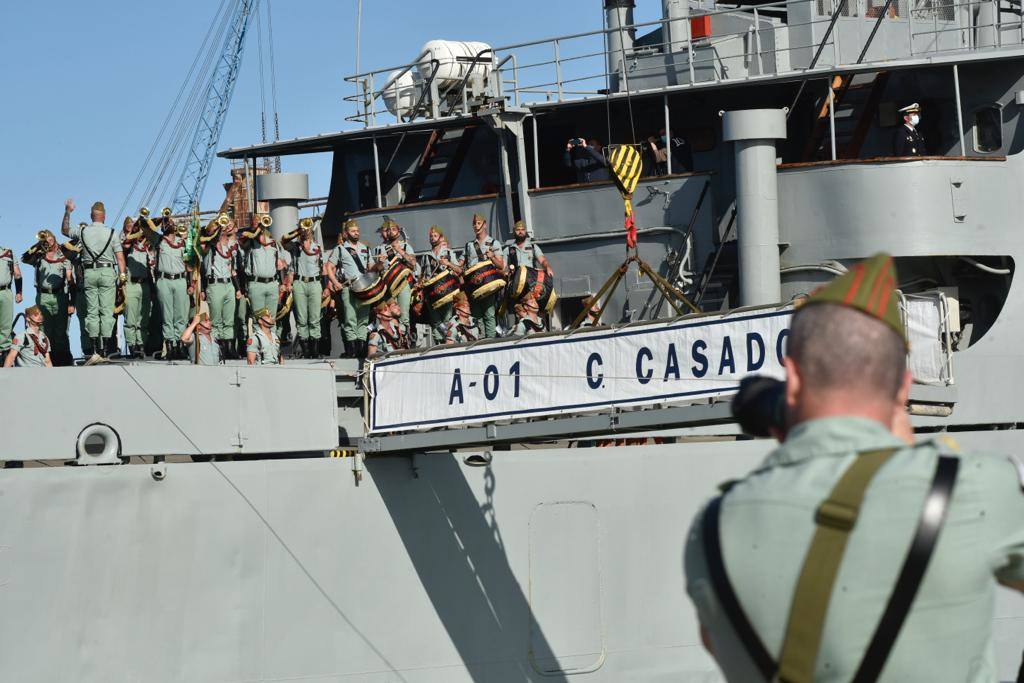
pixel 760 405
pixel 577 142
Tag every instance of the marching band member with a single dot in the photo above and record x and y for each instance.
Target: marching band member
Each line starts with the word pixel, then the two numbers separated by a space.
pixel 387 333
pixel 172 282
pixel 308 260
pixel 54 285
pixel 32 349
pixel 481 248
pixel 394 245
pixel 353 258
pixel 220 267
pixel 440 257
pixel 138 292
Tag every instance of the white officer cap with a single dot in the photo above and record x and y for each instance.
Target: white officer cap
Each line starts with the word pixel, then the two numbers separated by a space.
pixel 911 108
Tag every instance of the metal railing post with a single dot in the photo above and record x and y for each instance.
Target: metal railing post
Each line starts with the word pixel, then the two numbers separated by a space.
pixel 536 156
pixel 376 171
pixel 558 68
pixel 910 24
pixel 832 117
pixel 689 50
pixel 668 137
pixel 757 43
pixel 959 109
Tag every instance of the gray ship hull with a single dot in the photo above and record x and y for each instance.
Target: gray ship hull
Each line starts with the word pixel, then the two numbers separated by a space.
pixel 545 565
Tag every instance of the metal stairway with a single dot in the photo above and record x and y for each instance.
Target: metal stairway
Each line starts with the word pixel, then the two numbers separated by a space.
pixel 719 283
pixel 439 164
pixel 855 100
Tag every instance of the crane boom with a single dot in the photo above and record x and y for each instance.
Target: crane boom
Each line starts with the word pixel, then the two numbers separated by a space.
pixel 215 107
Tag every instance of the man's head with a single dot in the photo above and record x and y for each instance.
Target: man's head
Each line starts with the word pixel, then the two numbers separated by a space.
pixel 350 231
pixel 205 326
pixel 128 224
pixel 461 302
pixel 435 235
pixel 396 310
pixel 229 229
pixel 264 317
pixel 847 351
pixel 479 224
pixel 383 310
pixel 519 232
pixel 911 114
pixel 595 144
pixel 98 213
pixel 48 239
pixel 34 316
pixel 389 230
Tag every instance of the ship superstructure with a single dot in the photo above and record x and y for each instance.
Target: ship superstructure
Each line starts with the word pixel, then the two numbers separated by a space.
pixel 498 548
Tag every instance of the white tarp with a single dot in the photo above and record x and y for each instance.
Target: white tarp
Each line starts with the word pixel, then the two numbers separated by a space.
pixel 923 317
pixel 667 362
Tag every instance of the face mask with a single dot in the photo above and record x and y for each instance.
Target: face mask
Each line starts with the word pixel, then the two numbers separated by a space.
pixel 914 119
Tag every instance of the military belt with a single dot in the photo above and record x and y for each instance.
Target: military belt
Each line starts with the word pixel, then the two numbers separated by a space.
pixel 264 280
pixel 169 276
pixel 7 286
pixel 50 290
pixel 220 280
pixel 138 280
pixel 308 279
pixel 94 266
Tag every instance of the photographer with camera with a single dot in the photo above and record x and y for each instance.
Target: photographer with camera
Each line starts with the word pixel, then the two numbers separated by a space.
pixel 587 159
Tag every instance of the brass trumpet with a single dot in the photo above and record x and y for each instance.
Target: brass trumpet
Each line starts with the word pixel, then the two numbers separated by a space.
pixel 37 249
pixel 166 212
pixel 144 212
pixel 266 221
pixel 223 220
pixel 306 223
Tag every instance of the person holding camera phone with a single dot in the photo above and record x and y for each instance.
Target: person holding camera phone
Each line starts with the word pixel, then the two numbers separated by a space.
pixel 587 159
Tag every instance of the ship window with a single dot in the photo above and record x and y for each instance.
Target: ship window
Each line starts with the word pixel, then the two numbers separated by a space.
pixel 988 130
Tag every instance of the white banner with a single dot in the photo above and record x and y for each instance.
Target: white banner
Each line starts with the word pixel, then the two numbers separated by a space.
pixel 671 362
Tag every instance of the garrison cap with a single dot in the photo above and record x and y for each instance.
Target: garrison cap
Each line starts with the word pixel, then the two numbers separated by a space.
pixel 478 217
pixel 33 310
pixel 869 287
pixel 519 224
pixel 911 108
pixel 437 229
pixel 350 223
pixel 262 313
pixel 98 206
pixel 388 223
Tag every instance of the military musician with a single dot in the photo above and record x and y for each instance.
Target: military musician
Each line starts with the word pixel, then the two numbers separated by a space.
pixel 138 291
pixel 307 289
pixel 101 253
pixel 200 332
pixel 10 273
pixel 262 266
pixel 387 333
pixel 173 281
pixel 438 259
pixel 394 247
pixel 221 264
pixel 54 291
pixel 353 258
pixel 527 317
pixel 461 327
pixel 264 346
pixel 484 247
pixel 522 251
pixel 31 349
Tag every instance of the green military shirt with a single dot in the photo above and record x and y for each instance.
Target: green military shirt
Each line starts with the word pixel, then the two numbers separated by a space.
pixel 261 260
pixel 32 348
pixel 346 255
pixel 526 254
pixel 98 243
pixel 137 258
pixel 267 347
pixel 52 272
pixel 432 262
pixel 170 255
pixel 209 351
pixel 307 263
pixel 389 254
pixel 476 252
pixel 218 260
pixel 767 521
pixel 385 340
pixel 6 266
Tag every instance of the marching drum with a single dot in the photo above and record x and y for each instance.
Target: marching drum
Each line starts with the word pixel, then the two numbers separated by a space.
pixel 527 280
pixel 483 279
pixel 440 289
pixel 368 289
pixel 397 276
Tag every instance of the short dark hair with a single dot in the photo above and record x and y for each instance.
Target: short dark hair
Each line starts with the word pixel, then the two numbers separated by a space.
pixel 838 348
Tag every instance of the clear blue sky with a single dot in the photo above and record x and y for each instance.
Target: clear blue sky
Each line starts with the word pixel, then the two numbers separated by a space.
pixel 87 84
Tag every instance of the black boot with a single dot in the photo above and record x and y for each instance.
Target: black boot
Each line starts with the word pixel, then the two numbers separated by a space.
pixel 168 354
pixel 361 349
pixel 347 352
pixel 97 346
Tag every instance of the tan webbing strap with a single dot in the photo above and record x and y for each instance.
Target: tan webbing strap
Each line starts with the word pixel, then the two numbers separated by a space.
pixel 835 518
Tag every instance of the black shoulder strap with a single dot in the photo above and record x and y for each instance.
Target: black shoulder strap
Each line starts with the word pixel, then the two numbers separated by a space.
pixel 93 255
pixel 355 257
pixel 936 506
pixel 933 515
pixel 727 597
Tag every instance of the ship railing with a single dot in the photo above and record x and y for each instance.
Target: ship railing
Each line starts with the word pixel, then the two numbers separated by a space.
pixel 757 43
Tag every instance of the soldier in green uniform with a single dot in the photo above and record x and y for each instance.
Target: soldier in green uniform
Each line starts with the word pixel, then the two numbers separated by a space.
pixel 481 248
pixel 172 283
pixel 521 251
pixel 811 566
pixel 200 331
pixel 264 347
pixel 353 258
pixel 31 349
pixel 10 274
pixel 262 261
pixel 73 249
pixel 387 333
pixel 307 289
pixel 461 327
pixel 392 246
pixel 527 319
pixel 138 291
pixel 220 264
pixel 100 252
pixel 54 282
pixel 439 258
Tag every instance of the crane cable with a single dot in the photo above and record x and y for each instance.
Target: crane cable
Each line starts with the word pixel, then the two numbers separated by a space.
pixel 273 84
